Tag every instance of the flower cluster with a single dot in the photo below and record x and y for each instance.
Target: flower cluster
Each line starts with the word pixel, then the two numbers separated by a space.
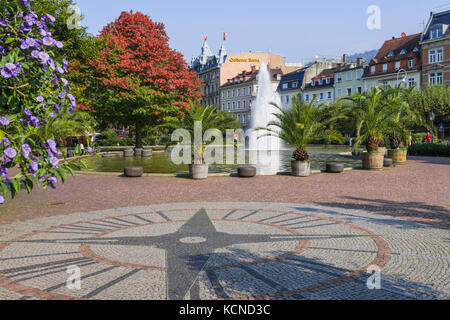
pixel 33 78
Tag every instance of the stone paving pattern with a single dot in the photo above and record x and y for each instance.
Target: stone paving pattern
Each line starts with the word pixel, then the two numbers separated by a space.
pixel 265 238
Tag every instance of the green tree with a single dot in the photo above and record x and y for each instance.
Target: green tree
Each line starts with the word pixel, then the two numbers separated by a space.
pixel 434 99
pixel 302 124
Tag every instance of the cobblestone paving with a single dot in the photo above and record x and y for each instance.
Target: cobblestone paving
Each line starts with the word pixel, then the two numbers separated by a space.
pixel 224 250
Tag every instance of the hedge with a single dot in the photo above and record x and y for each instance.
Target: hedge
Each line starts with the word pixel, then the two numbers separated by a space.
pixel 430 149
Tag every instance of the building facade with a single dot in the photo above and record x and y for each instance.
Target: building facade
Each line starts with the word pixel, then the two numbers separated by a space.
pixel 398 62
pixel 435 42
pixel 238 93
pixel 348 79
pixel 295 82
pixel 321 88
pixel 215 70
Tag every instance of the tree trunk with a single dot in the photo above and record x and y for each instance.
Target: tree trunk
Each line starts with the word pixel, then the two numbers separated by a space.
pixel 139 136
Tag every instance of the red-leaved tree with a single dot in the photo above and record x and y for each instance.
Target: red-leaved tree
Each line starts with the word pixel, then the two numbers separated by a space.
pixel 138 80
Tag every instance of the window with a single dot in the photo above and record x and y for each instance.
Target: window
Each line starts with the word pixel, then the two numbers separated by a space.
pixel 349 76
pixel 232 93
pixel 244 91
pixel 238 92
pixel 403 51
pixel 295 84
pixel 391 54
pixel 411 63
pixel 313 82
pixel 234 105
pixel 359 89
pixel 339 92
pixel 249 90
pixel 435 78
pixel 239 117
pixel 436 55
pixel 416 49
pixel 328 80
pixel 228 106
pixel 385 67
pixel 359 74
pixel 397 65
pixel 285 85
pixel 411 82
pixel 439 55
pixel 436 31
pixel 329 95
pixel 349 91
pixel 385 84
pixel 228 93
pixel 287 99
pixel 307 97
pixel 243 118
pixel 321 96
pixel 238 104
pixel 243 104
pixel 339 78
pixel 372 69
pixel 320 81
pixel 223 106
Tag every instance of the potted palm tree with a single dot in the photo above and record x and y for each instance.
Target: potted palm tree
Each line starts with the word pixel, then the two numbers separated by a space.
pixel 300 125
pixel 373 115
pixel 198 169
pixel 405 118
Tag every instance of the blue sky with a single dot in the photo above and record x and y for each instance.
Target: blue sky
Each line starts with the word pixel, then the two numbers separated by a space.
pixel 298 30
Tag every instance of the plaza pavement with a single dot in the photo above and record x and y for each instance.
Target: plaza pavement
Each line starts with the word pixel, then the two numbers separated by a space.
pixel 275 237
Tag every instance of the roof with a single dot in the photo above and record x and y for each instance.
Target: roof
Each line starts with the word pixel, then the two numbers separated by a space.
pixel 327 73
pixel 297 75
pixel 442 17
pixel 250 76
pixel 396 45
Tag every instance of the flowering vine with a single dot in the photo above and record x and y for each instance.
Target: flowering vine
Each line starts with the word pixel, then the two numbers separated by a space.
pixel 33 89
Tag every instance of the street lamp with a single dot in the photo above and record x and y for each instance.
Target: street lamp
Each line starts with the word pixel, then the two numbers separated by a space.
pixel 404 76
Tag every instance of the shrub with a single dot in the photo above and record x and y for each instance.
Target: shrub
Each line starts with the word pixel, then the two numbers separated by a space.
pixel 430 149
pixel 109 134
pixel 419 138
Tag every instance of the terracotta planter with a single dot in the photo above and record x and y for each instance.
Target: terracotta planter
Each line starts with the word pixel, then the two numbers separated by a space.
pixel 372 160
pixel 198 171
pixel 301 168
pixel 398 156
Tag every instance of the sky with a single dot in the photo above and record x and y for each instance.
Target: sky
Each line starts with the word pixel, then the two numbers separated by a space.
pixel 296 29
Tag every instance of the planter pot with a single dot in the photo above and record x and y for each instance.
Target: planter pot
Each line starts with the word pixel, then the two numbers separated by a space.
pixel 128 153
pixel 133 172
pixel 247 172
pixel 383 150
pixel 147 153
pixel 198 171
pixel 138 152
pixel 333 167
pixel 301 168
pixel 398 155
pixel 372 160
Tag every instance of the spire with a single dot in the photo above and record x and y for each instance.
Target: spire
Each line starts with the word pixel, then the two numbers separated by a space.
pixel 223 51
pixel 206 52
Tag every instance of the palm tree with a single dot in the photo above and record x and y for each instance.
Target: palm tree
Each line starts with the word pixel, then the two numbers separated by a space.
pixel 374 114
pixel 208 119
pixel 302 124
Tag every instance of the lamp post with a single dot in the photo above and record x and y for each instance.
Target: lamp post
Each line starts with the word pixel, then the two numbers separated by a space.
pixel 404 76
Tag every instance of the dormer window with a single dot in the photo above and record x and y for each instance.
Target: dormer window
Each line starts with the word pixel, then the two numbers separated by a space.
pixel 416 49
pixel 313 82
pixel 403 51
pixel 328 80
pixel 436 31
pixel 372 69
pixel 390 54
pixel 294 84
pixel 320 81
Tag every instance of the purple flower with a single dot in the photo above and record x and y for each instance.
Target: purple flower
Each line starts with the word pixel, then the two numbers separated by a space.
pixel 3 22
pixel 40 99
pixel 5 141
pixel 54 162
pixel 4 121
pixel 26 150
pixel 27 112
pixel 62 95
pixel 50 17
pixel 43 56
pixel 2 200
pixel 60 70
pixel 52 115
pixel 35 121
pixel 6 73
pixel 53 181
pixel 89 149
pixel 11 153
pixel 34 166
pixel 35 54
pixel 48 41
pixel 59 44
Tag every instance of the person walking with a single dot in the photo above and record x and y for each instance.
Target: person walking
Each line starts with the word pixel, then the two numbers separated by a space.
pixel 429 137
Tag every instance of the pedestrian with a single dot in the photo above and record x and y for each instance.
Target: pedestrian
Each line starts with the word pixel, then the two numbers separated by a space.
pixel 429 137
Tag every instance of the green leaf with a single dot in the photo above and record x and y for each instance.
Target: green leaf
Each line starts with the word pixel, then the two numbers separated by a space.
pixel 63 174
pixel 29 185
pixel 70 170
pixel 9 40
pixel 4 189
pixel 15 187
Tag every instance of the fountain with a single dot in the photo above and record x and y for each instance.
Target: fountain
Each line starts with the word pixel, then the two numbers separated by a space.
pixel 265 151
